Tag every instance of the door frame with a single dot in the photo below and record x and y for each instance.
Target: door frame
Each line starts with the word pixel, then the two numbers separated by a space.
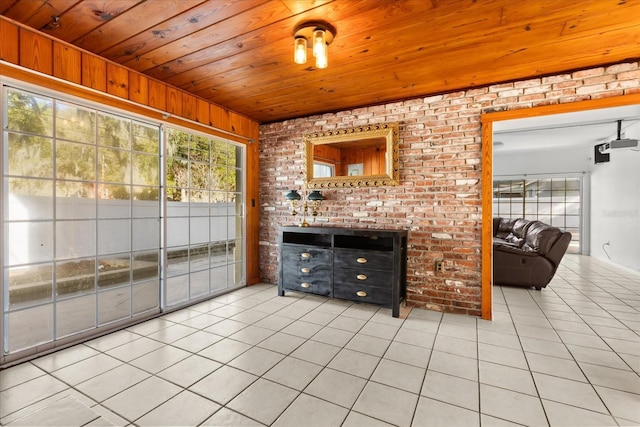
pixel 487 119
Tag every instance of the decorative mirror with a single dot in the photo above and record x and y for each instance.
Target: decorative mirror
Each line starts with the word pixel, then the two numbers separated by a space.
pixel 364 156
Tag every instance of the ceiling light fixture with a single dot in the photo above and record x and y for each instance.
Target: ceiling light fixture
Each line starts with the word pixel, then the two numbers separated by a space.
pixel 317 36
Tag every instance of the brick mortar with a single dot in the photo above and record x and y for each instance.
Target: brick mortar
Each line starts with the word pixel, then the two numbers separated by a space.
pixel 439 196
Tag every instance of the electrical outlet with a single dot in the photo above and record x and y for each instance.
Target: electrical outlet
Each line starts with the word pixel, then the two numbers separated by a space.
pixel 439 265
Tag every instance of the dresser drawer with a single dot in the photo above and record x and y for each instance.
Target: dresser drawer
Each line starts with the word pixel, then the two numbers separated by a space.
pixel 307 278
pixel 317 285
pixel 304 256
pixel 363 277
pixel 379 260
pixel 306 269
pixel 362 293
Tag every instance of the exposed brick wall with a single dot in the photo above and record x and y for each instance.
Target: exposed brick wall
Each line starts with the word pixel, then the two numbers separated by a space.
pixel 439 196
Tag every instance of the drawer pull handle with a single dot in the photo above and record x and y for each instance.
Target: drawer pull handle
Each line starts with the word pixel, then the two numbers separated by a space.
pixel 361 293
pixel 306 285
pixel 361 260
pixel 305 255
pixel 361 277
pixel 305 270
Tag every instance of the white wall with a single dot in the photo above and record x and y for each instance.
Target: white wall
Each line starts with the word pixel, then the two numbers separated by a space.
pixel 615 207
pixel 561 160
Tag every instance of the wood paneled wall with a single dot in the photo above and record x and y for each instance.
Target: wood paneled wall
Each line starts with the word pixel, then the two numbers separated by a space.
pixel 371 158
pixel 83 74
pixel 326 153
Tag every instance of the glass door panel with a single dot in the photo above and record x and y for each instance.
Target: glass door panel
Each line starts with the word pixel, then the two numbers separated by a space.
pixel 77 255
pixel 554 201
pixel 203 219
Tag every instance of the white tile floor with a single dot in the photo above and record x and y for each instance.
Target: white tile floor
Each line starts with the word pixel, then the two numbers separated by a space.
pixel 566 356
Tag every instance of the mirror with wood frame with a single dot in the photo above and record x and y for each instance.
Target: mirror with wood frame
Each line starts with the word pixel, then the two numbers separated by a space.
pixel 363 156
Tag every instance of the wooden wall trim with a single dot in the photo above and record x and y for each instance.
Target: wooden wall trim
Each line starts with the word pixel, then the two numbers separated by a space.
pixel 487 221
pixel 9 48
pixel 65 60
pixel 570 107
pixel 94 95
pixel 94 72
pixel 138 88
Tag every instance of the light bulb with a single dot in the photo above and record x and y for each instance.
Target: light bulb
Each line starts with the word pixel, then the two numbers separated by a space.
pixel 319 43
pixel 322 60
pixel 300 50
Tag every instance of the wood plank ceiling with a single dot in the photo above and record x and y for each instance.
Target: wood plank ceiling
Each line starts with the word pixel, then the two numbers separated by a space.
pixel 239 53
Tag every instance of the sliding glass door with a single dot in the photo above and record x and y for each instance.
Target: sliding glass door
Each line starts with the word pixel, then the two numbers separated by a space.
pixel 81 219
pixel 205 216
pixel 94 235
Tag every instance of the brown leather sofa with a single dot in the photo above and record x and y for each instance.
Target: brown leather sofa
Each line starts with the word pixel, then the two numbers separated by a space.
pixel 526 253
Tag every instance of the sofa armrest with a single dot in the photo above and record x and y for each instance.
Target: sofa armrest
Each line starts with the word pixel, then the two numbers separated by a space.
pixel 496 225
pixel 559 248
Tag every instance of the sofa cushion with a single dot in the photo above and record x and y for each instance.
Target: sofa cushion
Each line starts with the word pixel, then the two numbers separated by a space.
pixel 541 237
pixel 511 229
pixel 505 227
pixel 521 227
pixel 514 240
